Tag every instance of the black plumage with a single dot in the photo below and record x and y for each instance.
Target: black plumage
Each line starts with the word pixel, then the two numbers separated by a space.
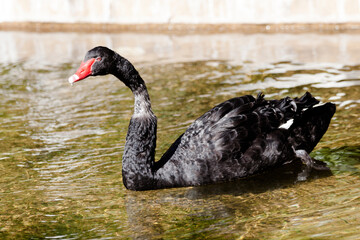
pixel 237 138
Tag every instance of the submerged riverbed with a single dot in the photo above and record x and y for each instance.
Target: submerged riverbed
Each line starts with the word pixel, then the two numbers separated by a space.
pixel 61 146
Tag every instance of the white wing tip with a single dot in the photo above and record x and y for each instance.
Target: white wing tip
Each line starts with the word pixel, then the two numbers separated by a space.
pixel 287 125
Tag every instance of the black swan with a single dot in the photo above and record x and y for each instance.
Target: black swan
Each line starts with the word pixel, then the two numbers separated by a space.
pixel 237 138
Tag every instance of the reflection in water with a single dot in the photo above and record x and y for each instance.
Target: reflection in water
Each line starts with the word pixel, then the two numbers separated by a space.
pixel 60 151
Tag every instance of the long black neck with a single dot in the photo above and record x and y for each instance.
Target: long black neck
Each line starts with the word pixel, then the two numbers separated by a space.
pixel 138 158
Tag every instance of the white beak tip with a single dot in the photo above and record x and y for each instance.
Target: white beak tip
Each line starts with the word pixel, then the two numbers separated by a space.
pixel 73 78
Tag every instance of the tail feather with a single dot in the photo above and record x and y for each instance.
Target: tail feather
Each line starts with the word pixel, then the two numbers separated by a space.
pixel 311 125
pixel 306 101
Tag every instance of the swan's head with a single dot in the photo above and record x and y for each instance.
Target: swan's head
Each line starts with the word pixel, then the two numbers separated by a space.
pixel 97 61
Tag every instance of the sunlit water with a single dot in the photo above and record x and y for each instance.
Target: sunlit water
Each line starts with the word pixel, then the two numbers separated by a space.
pixel 61 146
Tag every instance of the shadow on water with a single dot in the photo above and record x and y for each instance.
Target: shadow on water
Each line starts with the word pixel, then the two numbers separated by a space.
pixel 341 160
pixel 277 178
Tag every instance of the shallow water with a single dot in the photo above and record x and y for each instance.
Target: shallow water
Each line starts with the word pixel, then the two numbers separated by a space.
pixel 61 146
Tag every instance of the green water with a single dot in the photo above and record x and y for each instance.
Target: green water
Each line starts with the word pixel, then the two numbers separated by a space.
pixel 61 146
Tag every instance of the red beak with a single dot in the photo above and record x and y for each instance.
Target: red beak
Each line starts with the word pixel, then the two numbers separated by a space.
pixel 83 71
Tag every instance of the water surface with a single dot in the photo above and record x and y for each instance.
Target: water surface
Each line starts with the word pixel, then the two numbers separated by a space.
pixel 61 146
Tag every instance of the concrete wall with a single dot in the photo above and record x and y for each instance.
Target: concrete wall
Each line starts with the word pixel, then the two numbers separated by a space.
pixel 180 11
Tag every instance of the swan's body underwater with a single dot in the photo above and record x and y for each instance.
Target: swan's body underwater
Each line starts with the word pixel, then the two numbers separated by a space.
pixel 237 138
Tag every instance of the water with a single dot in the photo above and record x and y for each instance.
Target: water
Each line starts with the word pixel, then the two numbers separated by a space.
pixel 60 151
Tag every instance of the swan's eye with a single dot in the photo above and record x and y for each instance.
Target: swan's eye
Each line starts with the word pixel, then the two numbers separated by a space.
pixel 98 59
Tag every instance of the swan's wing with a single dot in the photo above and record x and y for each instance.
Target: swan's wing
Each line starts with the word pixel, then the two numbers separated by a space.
pixel 230 128
pixel 229 131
